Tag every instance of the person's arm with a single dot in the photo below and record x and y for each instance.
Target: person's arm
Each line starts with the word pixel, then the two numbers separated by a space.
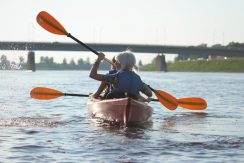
pixel 93 72
pixel 146 90
pixel 100 89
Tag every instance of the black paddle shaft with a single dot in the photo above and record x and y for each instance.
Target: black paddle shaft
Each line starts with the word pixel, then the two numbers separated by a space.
pixel 71 94
pixel 86 46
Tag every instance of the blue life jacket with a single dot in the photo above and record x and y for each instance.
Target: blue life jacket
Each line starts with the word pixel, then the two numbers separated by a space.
pixel 113 71
pixel 128 82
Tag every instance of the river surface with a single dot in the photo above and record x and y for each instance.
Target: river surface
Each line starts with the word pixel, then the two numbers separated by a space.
pixel 61 130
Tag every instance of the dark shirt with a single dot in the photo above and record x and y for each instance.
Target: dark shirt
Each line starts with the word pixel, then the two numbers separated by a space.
pixel 126 81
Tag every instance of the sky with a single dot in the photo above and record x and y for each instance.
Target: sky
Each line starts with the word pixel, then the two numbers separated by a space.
pixel 162 22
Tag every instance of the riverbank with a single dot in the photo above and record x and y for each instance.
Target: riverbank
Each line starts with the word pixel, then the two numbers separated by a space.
pixel 224 65
pixel 227 65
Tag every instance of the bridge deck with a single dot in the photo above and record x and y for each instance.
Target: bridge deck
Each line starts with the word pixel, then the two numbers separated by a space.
pixel 56 46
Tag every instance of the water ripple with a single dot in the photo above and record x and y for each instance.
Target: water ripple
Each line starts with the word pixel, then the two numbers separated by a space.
pixel 31 121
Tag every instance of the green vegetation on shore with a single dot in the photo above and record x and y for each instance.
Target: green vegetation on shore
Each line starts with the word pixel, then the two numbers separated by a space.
pixel 201 63
pixel 223 65
pixel 216 65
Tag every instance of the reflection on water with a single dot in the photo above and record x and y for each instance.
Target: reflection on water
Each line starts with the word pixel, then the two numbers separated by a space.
pixel 134 131
pixel 186 119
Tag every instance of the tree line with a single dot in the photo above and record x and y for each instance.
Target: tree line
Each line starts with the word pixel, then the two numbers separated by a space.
pixel 47 63
pixel 5 64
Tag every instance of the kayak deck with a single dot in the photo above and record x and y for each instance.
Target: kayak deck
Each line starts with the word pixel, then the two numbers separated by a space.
pixel 124 111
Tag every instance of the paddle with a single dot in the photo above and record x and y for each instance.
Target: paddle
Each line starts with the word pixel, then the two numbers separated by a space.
pixel 49 23
pixel 191 103
pixel 42 93
pixel 166 99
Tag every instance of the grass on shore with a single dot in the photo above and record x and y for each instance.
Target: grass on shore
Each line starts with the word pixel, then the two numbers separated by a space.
pixel 227 65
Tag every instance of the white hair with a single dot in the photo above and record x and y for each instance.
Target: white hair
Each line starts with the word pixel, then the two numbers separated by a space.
pixel 126 60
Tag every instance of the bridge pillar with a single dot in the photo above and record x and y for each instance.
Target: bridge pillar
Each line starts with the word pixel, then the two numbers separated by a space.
pixel 31 65
pixel 160 64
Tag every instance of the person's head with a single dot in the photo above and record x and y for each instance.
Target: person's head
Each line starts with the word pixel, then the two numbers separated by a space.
pixel 126 61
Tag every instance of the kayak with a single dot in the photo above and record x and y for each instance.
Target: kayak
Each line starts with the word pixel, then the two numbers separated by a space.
pixel 124 111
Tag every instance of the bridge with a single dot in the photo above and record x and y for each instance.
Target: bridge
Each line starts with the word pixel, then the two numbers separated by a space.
pixel 105 47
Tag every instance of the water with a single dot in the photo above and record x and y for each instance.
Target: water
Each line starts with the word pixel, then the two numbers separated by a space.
pixel 61 130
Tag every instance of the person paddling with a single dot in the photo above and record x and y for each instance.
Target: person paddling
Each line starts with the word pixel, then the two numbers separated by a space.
pixel 125 83
pixel 104 86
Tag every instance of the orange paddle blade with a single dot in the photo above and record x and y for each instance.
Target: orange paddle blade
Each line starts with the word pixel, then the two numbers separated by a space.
pixel 166 99
pixel 43 93
pixel 49 23
pixel 193 103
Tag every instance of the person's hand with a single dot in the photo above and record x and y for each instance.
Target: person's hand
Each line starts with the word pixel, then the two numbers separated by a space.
pixel 149 99
pixel 101 56
pixel 92 96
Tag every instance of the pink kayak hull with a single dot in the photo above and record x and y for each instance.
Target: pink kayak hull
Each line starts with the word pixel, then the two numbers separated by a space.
pixel 124 111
